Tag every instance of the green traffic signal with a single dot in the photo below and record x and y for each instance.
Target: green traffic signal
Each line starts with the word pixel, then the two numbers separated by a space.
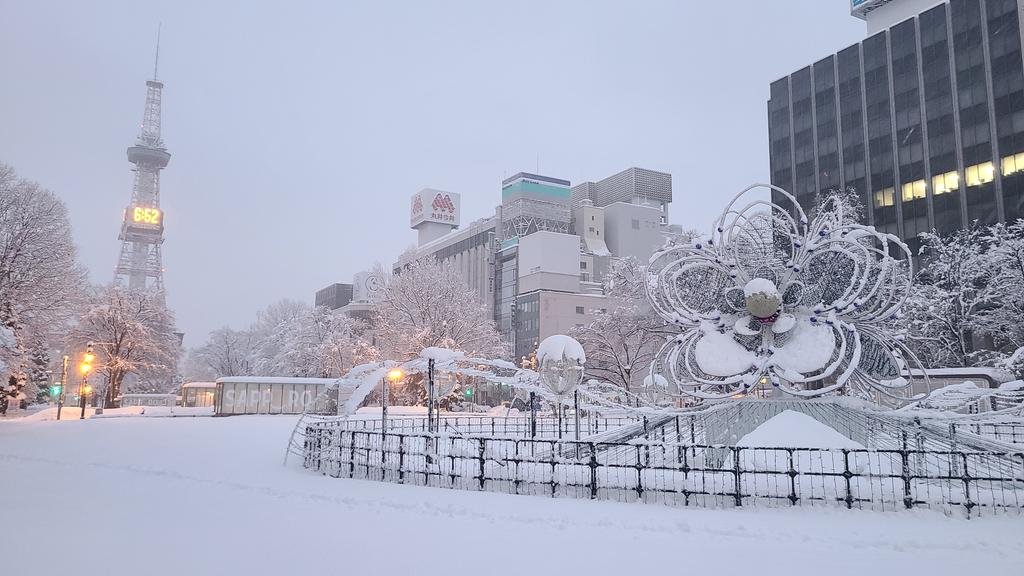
pixel 469 392
pixel 55 390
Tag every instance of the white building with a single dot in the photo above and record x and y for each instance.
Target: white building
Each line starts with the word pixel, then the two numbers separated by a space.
pixel 632 186
pixel 539 262
pixel 470 250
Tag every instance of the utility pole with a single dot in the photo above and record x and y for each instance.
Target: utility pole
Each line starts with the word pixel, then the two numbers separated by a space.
pixel 63 385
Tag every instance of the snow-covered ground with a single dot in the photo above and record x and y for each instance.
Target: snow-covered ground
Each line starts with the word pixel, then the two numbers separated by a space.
pixel 210 496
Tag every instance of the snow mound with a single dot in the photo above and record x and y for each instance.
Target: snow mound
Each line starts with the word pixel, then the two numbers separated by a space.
pixel 809 349
pixel 760 286
pixel 502 411
pixel 720 355
pixel 791 429
pixel 558 346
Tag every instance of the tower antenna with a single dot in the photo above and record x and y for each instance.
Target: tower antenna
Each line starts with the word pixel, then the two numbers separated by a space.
pixel 156 63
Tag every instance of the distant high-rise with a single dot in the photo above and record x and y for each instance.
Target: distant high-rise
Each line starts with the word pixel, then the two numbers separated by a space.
pixel 531 203
pixel 140 264
pixel 334 296
pixel 924 118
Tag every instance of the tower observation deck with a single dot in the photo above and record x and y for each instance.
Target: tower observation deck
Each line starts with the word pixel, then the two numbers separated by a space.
pixel 140 264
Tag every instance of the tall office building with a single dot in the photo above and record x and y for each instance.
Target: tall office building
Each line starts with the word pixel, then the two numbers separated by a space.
pixel 924 118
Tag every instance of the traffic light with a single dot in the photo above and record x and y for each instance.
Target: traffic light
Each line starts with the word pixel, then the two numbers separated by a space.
pixel 469 392
pixel 55 390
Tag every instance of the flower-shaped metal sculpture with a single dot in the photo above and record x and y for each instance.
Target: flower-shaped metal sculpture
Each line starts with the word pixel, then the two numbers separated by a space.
pixel 561 361
pixel 772 298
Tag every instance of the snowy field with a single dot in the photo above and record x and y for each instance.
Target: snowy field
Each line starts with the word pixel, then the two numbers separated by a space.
pixel 209 496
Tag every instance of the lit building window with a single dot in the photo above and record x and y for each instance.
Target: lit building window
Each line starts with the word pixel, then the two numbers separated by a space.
pixel 943 183
pixel 913 190
pixel 979 174
pixel 885 197
pixel 1013 164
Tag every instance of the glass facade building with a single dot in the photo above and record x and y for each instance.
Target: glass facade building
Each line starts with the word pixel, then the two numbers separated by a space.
pixel 924 120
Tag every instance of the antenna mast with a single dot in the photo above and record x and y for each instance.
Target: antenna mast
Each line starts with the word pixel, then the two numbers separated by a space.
pixel 156 63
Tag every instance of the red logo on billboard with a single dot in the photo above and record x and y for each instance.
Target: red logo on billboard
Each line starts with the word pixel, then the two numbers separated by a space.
pixel 417 204
pixel 443 202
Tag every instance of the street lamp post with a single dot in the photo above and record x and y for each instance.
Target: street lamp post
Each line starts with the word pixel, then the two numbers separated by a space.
pixel 63 385
pixel 393 376
pixel 85 367
pixel 430 395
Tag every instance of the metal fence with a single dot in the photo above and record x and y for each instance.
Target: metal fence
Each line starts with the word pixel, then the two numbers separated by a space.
pixel 511 426
pixel 1002 431
pixel 674 473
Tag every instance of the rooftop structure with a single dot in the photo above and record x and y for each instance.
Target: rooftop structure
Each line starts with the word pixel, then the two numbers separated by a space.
pixel 531 202
pixel 632 185
pixel 434 213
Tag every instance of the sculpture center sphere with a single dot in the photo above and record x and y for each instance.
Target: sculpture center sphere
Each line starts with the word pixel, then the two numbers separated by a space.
pixel 762 297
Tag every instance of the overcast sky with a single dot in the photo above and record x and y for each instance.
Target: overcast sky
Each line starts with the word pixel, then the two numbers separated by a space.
pixel 298 131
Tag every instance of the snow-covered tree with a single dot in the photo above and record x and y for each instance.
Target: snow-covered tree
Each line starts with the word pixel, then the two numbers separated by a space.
pixel 193 367
pixel 288 338
pixel 844 203
pixel 316 342
pixel 13 376
pixel 1002 319
pixel 429 304
pixel 40 278
pixel 132 332
pixel 38 387
pixel 622 341
pixel 228 352
pixel 268 334
pixel 949 293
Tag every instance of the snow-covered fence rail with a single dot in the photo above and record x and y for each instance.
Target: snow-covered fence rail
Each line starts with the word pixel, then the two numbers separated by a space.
pixel 1010 432
pixel 516 426
pixel 675 474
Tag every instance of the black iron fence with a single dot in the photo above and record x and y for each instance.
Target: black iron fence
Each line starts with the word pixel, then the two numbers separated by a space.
pixel 676 474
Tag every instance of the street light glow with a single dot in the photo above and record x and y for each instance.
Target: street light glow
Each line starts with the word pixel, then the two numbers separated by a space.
pixel 395 374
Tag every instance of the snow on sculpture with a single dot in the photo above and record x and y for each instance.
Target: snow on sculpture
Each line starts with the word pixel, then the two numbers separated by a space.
pixel 771 297
pixel 561 360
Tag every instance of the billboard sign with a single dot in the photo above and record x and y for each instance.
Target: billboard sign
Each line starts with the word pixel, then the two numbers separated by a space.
pixel 430 205
pixel 367 285
pixel 147 217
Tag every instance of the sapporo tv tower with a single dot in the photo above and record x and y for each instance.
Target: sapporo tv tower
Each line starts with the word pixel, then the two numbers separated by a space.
pixel 140 265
